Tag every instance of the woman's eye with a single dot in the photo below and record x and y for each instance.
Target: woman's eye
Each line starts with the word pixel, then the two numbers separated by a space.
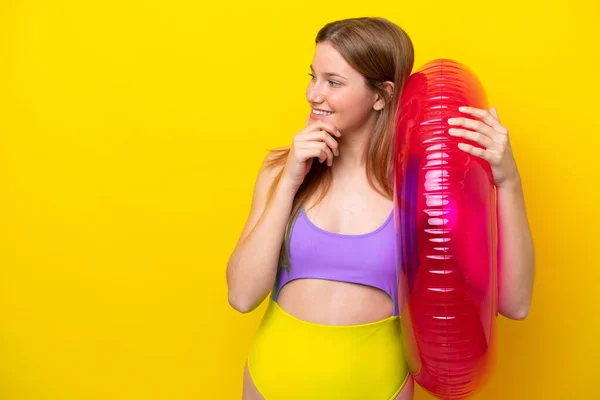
pixel 331 83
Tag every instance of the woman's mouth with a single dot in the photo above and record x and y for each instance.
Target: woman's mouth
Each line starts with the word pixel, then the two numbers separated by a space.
pixel 322 112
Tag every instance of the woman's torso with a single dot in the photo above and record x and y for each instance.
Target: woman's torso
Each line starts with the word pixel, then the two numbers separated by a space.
pixel 350 208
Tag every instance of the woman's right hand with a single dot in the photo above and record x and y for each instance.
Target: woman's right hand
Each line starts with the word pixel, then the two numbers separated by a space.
pixel 314 141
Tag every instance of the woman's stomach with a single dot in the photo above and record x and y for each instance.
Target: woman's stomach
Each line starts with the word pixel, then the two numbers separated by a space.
pixel 334 303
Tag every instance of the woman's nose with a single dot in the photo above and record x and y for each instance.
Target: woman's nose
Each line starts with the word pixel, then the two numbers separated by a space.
pixel 314 94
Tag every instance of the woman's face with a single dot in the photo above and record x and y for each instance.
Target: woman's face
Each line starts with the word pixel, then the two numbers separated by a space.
pixel 337 93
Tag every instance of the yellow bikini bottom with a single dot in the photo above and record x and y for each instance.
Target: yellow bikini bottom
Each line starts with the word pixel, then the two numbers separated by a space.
pixel 295 359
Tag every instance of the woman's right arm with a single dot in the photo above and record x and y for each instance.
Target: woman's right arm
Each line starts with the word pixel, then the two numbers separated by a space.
pixel 252 267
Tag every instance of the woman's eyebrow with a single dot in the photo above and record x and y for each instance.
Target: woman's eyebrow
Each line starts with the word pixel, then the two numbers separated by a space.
pixel 329 74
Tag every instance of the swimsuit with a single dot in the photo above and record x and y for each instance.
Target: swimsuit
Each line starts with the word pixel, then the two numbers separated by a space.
pixel 295 359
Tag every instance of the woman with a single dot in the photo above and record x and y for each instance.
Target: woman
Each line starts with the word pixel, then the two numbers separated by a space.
pixel 321 234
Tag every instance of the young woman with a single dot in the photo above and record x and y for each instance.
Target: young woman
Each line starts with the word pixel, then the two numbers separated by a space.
pixel 320 233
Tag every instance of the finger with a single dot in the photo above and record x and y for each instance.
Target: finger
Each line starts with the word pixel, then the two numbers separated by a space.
pixel 321 150
pixel 476 137
pixel 310 151
pixel 486 116
pixel 474 125
pixel 476 151
pixel 326 127
pixel 494 112
pixel 322 136
pixel 328 152
pixel 331 142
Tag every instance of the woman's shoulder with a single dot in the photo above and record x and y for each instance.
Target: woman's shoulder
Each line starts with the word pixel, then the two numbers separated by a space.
pixel 271 166
pixel 275 158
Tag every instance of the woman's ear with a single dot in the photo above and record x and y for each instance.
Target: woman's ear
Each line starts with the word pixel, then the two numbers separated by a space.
pixel 380 102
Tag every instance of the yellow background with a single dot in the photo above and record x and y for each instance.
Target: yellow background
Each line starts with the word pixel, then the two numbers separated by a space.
pixel 130 138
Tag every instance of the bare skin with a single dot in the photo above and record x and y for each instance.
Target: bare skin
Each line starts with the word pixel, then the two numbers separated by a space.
pixel 350 207
pixel 346 110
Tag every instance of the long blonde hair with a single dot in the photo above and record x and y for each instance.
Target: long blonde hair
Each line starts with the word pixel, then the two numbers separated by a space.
pixel 380 51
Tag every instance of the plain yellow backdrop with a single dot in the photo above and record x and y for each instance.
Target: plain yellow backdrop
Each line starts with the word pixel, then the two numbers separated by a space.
pixel 130 138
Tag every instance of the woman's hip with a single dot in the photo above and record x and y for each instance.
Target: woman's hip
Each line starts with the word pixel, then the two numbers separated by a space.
pixel 323 362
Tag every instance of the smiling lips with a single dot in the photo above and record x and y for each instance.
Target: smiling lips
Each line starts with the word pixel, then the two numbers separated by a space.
pixel 323 113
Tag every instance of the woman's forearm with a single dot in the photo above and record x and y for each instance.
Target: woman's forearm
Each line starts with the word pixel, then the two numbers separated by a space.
pixel 516 253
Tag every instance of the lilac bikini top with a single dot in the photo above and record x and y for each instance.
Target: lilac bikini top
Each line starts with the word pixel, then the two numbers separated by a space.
pixel 367 259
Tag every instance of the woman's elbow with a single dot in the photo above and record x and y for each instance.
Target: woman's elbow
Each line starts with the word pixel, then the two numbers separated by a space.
pixel 518 311
pixel 245 301
pixel 243 294
pixel 517 315
pixel 239 303
pixel 236 298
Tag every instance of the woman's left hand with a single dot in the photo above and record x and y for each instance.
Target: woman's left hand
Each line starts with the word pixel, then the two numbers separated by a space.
pixel 493 137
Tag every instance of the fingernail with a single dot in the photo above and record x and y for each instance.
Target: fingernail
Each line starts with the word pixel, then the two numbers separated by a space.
pixel 451 131
pixel 451 120
pixel 462 108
